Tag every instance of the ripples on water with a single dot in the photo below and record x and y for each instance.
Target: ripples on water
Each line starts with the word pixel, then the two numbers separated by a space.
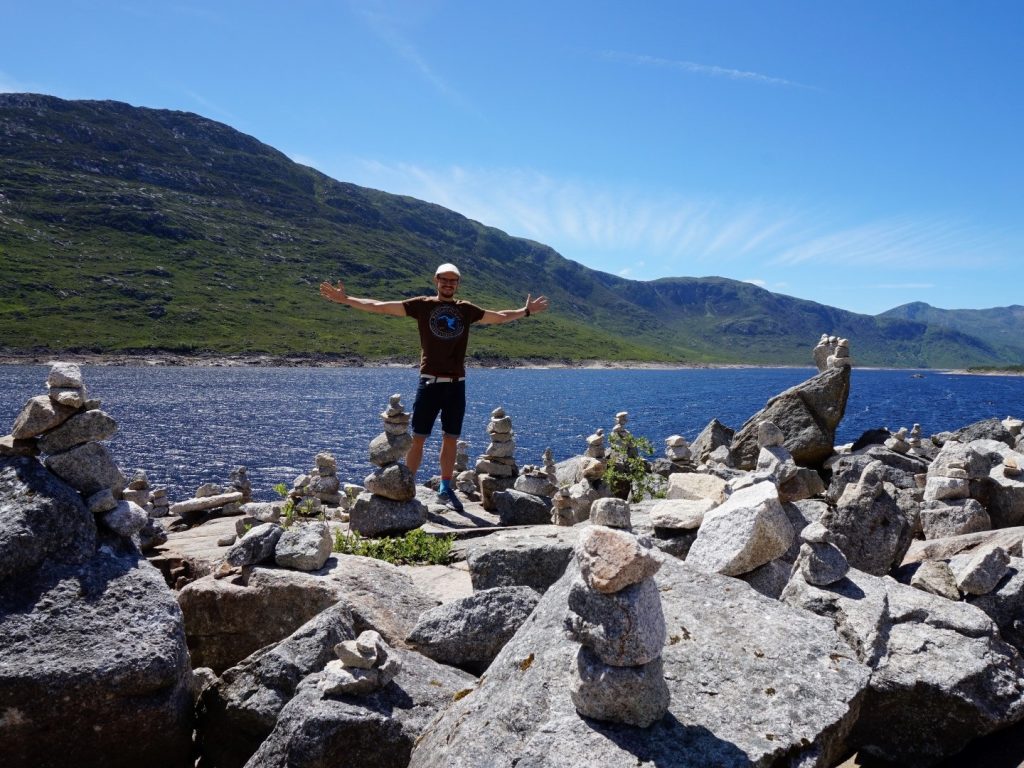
pixel 189 426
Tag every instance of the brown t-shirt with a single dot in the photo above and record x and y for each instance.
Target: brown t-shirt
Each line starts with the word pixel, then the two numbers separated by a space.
pixel 444 333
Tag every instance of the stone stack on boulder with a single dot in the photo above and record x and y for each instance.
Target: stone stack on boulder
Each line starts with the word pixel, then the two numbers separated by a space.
pixel 497 470
pixel 947 508
pixel 562 512
pixel 538 480
pixel 364 665
pixel 678 452
pixel 808 414
pixel 832 352
pixel 466 481
pixel 239 481
pixel 591 486
pixel 615 614
pixel 389 505
pixel 93 641
pixel 899 442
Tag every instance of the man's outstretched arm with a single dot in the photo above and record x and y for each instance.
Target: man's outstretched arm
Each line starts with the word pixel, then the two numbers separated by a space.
pixel 532 307
pixel 336 293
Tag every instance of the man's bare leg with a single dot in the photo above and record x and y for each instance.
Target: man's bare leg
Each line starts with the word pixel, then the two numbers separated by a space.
pixel 414 457
pixel 447 460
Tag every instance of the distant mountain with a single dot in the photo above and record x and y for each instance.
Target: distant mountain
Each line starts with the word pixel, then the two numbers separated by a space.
pixel 125 229
pixel 1000 327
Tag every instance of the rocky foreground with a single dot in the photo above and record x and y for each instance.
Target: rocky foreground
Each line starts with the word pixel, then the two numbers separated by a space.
pixel 783 602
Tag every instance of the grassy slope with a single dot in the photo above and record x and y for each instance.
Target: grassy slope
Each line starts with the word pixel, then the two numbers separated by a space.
pixel 126 229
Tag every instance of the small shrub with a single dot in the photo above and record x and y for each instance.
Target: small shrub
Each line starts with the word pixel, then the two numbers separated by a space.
pixel 627 466
pixel 415 548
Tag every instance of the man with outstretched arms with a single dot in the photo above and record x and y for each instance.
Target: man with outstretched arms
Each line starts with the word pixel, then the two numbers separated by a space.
pixel 444 332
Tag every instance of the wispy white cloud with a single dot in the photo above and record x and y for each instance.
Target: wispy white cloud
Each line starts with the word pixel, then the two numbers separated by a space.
pixel 757 281
pixel 648 233
pixel 707 70
pixel 387 29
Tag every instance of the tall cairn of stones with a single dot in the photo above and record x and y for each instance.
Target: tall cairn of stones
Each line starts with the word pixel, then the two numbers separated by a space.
pixel 68 428
pixel 389 504
pixel 320 487
pixel 615 614
pixel 496 470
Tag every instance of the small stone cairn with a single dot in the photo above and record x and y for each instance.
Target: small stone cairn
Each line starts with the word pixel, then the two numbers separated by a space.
pixel 615 614
pixel 677 451
pixel 389 504
pixel 539 481
pixel 581 495
pixel 832 352
pixel 364 665
pixel 466 481
pixel 497 470
pixel 319 488
pixel 899 442
pixel 68 428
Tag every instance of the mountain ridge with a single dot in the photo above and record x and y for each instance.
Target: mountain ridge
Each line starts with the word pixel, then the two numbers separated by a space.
pixel 129 229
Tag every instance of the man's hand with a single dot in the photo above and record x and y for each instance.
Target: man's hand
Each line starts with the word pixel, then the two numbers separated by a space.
pixel 335 293
pixel 533 306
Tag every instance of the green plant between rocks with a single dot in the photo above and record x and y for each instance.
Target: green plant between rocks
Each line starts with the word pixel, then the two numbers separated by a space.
pixel 415 548
pixel 288 508
pixel 627 467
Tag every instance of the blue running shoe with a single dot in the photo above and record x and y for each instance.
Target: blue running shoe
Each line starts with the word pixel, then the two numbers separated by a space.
pixel 447 497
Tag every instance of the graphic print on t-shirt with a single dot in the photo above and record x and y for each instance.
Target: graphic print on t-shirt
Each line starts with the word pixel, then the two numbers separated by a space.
pixel 446 322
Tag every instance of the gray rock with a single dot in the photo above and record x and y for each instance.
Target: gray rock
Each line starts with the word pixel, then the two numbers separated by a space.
pixel 304 546
pixel 680 514
pixel 40 414
pixel 746 531
pixel 822 563
pixel 262 511
pixel 807 414
pixel 387 448
pixel 85 427
pixel 697 486
pixel 376 516
pixel 611 559
pixel 256 546
pixel 987 429
pixel 93 656
pixel 126 519
pixel 624 628
pixel 11 447
pixel 941 674
pixel 978 573
pixel 1004 496
pixel 534 558
pixel 750 681
pixel 519 508
pixel 934 576
pixel 238 712
pixel 769 579
pixel 868 525
pixel 40 517
pixel 535 484
pixel 1005 604
pixel 339 680
pixel 899 469
pixel 635 695
pixel 395 482
pixel 953 518
pixel 151 535
pixel 378 729
pixel 65 375
pixel 611 512
pixel 87 468
pixel 469 632
pixel 714 435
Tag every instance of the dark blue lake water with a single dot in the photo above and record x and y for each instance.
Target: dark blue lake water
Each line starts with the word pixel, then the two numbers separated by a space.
pixel 188 426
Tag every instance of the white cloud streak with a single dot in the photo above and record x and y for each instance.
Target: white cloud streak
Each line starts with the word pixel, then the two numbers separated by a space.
pixel 707 70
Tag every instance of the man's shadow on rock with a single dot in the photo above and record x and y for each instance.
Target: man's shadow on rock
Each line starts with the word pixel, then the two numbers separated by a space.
pixel 669 743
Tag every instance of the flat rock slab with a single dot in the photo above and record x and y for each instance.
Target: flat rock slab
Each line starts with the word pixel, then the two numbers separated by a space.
pixel 942 549
pixel 752 681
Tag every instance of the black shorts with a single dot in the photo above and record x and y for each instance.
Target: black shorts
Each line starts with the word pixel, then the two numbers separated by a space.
pixel 445 397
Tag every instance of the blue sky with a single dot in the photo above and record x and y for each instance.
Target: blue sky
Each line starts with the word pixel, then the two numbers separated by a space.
pixel 859 154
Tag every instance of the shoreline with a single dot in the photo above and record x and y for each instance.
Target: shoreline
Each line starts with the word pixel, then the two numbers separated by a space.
pixel 173 360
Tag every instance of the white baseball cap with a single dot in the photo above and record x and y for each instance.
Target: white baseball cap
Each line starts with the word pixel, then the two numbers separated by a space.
pixel 447 268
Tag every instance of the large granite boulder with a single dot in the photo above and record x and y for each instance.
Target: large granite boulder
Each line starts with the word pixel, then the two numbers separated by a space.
pixel 378 516
pixel 228 619
pixel 238 712
pixel 752 682
pixel 535 557
pixel 807 414
pixel 941 674
pixel 40 517
pixel 469 632
pixel 518 508
pixel 94 668
pixel 317 729
pixel 713 436
pixel 88 468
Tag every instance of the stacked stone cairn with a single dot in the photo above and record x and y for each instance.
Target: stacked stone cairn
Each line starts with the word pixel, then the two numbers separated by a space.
pixel 68 428
pixel 364 665
pixel 496 470
pixel 832 352
pixel 678 453
pixel 318 488
pixel 899 442
pixel 615 614
pixel 581 495
pixel 538 480
pixel 389 505
pixel 465 478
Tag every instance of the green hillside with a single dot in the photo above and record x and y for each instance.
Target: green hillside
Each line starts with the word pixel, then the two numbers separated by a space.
pixel 125 229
